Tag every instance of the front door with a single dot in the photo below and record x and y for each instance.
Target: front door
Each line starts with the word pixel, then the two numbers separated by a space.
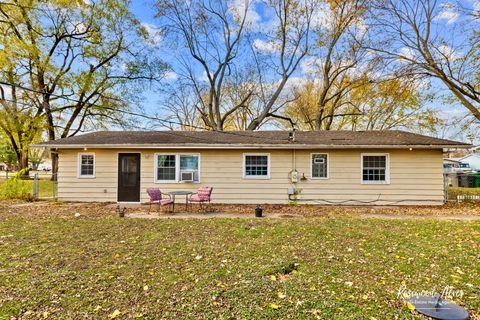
pixel 129 177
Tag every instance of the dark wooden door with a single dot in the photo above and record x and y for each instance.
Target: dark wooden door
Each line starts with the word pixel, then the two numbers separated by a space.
pixel 129 177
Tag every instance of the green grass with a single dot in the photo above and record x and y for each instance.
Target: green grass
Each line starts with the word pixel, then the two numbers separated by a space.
pixel 454 191
pixel 329 268
pixel 23 189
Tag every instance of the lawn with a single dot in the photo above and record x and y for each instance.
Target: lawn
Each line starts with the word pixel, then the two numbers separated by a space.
pixel 56 266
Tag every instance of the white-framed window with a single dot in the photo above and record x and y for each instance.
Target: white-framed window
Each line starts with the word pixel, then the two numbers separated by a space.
pixel 256 166
pixel 86 165
pixel 375 168
pixel 176 167
pixel 319 166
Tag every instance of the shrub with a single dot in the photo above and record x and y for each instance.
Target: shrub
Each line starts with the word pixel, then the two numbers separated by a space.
pixel 453 192
pixel 16 189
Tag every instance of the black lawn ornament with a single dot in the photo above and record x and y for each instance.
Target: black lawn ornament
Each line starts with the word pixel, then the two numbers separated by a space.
pixel 437 307
pixel 258 211
pixel 121 211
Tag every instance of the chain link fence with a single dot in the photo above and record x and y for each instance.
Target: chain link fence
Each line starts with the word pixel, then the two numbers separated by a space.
pixel 462 186
pixel 38 186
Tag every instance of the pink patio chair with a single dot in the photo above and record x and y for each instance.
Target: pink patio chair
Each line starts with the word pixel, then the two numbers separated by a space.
pixel 156 197
pixel 203 195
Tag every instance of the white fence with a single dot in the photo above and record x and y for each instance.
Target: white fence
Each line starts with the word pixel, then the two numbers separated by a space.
pixel 468 197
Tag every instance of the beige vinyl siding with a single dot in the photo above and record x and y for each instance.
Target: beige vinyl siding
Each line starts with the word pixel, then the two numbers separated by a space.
pixel 415 177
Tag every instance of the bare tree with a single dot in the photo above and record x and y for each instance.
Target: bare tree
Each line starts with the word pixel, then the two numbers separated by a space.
pixel 415 36
pixel 212 32
pixel 280 54
pixel 181 105
pixel 237 83
pixel 339 61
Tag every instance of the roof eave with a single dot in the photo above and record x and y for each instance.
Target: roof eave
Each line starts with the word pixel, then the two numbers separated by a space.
pixel 243 146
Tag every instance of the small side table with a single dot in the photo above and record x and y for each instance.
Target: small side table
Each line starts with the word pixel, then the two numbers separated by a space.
pixel 180 193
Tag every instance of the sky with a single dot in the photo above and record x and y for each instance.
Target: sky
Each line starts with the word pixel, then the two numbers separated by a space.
pixel 449 17
pixel 260 18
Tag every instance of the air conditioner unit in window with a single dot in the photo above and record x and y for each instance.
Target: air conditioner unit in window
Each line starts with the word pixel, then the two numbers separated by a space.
pixel 186 176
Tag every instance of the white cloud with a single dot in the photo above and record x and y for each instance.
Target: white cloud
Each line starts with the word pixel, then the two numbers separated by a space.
pixel 7 91
pixel 204 77
pixel 476 6
pixel 310 65
pixel 408 53
pixel 252 18
pixel 449 13
pixel 170 75
pixel 322 17
pixel 447 52
pixel 265 46
pixel 361 27
pixel 154 34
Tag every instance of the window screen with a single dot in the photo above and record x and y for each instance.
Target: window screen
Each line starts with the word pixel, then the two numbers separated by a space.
pixel 374 168
pixel 87 165
pixel 319 166
pixel 256 165
pixel 166 167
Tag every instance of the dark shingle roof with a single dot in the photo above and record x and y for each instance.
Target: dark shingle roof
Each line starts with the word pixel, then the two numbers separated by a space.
pixel 251 138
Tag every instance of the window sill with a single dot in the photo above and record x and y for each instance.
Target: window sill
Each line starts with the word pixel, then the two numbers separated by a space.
pixel 375 182
pixel 318 178
pixel 255 178
pixel 86 177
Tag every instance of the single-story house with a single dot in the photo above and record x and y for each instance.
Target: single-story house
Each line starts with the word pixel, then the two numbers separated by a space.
pixel 277 167
pixel 473 161
pixel 454 165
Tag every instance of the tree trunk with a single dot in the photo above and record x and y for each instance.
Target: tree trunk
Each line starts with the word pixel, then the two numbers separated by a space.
pixel 54 157
pixel 23 164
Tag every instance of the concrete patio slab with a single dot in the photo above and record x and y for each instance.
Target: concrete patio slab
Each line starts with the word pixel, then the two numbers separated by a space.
pixel 188 215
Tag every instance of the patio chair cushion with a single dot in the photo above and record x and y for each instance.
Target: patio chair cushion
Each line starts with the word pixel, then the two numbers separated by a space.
pixel 155 194
pixel 203 195
pixel 162 202
pixel 166 201
pixel 195 198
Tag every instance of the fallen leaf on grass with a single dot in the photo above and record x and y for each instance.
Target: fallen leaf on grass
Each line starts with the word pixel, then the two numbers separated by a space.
pixel 274 306
pixel 115 314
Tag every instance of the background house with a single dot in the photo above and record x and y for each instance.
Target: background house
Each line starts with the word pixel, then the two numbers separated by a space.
pixel 473 161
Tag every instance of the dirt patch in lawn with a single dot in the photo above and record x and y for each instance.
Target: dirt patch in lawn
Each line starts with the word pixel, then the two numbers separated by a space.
pixel 59 209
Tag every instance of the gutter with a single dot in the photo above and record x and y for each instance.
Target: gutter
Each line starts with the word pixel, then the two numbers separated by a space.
pixel 241 146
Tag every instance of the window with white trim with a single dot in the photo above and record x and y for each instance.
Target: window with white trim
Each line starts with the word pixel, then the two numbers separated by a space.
pixel 375 168
pixel 166 167
pixel 86 165
pixel 177 168
pixel 256 166
pixel 319 165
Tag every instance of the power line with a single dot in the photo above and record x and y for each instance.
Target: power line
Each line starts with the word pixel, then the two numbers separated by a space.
pixel 163 121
